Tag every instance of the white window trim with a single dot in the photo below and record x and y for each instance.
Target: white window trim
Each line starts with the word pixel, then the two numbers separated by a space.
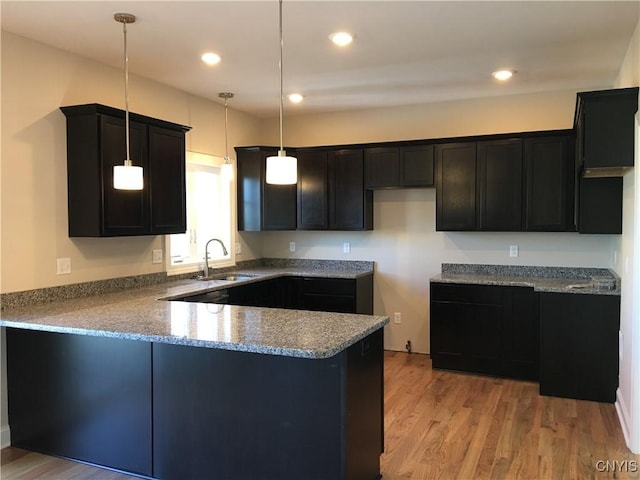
pixel 207 159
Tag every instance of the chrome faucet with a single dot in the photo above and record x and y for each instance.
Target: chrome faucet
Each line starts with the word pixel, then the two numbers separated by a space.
pixel 206 254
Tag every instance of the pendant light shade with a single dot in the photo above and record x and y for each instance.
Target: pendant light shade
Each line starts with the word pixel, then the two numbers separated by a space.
pixel 127 176
pixel 227 166
pixel 281 169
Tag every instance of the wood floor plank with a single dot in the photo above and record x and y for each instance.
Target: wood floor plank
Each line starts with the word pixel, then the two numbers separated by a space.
pixel 450 426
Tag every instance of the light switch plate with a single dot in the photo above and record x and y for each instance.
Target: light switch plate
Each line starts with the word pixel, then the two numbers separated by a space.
pixel 156 256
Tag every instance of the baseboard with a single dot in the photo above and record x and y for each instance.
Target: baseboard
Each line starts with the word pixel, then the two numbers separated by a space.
pixel 5 436
pixel 624 417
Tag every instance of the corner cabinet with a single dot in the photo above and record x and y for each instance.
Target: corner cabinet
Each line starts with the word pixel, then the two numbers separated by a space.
pixel 95 144
pixel 262 206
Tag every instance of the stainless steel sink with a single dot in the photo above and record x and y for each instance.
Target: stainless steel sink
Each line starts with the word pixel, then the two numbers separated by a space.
pixel 227 277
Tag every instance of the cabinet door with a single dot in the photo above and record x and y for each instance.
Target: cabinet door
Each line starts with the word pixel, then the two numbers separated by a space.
pixel 278 203
pixel 313 199
pixel 262 206
pixel 521 334
pixel 382 167
pixel 600 205
pixel 579 346
pixel 167 188
pixel 549 184
pixel 124 212
pixel 500 185
pixel 455 186
pixel 606 127
pixel 350 205
pixel 417 166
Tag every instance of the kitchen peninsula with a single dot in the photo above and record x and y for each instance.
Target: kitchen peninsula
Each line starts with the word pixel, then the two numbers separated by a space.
pixel 142 382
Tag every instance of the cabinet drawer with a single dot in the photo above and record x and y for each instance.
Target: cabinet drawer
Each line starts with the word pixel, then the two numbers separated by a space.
pixel 332 286
pixel 465 293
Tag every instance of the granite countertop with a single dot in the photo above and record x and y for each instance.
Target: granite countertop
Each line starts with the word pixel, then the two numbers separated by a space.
pixel 542 279
pixel 149 314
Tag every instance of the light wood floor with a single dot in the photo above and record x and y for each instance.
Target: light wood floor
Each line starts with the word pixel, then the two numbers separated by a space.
pixel 449 426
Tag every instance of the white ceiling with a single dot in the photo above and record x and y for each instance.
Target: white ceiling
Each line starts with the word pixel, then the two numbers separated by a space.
pixel 405 52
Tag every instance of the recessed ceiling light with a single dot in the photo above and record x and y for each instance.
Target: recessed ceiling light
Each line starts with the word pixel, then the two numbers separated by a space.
pixel 342 39
pixel 503 74
pixel 210 58
pixel 295 98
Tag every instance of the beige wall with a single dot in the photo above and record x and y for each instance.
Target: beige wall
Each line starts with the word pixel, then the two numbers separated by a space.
pixel 36 81
pixel 405 246
pixel 628 267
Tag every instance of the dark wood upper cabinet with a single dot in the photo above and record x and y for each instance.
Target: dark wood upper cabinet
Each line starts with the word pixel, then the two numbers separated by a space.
pixel 399 167
pixel 313 190
pixel 605 130
pixel 382 167
pixel 549 173
pixel 417 165
pixel 523 183
pixel 262 206
pixel 456 186
pixel 95 144
pixel 500 185
pixel 350 205
pixel 168 208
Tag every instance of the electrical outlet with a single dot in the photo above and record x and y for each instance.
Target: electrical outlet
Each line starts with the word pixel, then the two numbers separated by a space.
pixel 513 250
pixel 156 256
pixel 63 266
pixel 292 246
pixel 238 248
pixel 346 247
pixel 397 317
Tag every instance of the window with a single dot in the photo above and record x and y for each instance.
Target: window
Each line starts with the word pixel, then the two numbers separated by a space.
pixel 208 216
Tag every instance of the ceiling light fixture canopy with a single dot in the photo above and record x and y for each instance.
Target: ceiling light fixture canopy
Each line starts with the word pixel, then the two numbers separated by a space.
pixel 281 169
pixel 127 176
pixel 227 166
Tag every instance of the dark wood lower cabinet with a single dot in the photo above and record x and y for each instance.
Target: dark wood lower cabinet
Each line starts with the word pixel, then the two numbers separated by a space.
pixel 180 412
pixel 81 397
pixel 485 329
pixel 579 346
pixel 342 295
pixel 235 415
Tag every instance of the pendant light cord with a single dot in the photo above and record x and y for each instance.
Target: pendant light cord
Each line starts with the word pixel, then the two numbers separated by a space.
pixel 281 83
pixel 126 92
pixel 226 142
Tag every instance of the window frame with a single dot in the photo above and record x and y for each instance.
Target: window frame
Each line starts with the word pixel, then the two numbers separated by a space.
pixel 205 159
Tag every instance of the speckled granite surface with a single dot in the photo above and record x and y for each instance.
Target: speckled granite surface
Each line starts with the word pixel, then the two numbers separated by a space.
pixel 542 279
pixel 138 314
pixel 330 268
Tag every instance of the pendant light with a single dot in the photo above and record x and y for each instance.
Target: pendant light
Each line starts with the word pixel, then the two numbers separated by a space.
pixel 127 176
pixel 281 169
pixel 227 166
